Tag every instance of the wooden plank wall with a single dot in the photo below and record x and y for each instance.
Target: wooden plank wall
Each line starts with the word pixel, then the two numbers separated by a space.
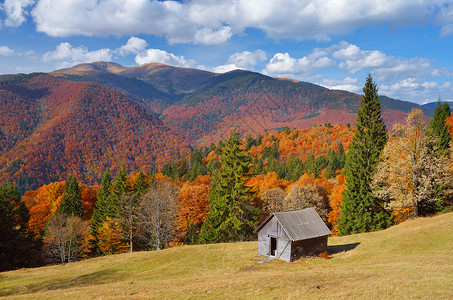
pixel 308 247
pixel 274 229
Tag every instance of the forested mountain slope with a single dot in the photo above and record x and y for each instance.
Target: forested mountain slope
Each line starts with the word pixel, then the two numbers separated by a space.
pixel 205 106
pixel 61 123
pixel 52 127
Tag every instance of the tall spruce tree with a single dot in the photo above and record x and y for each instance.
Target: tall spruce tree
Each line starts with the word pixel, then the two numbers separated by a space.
pixel 71 203
pixel 438 128
pixel 231 213
pixel 104 206
pixel 140 185
pixel 120 187
pixel 15 242
pixel 361 211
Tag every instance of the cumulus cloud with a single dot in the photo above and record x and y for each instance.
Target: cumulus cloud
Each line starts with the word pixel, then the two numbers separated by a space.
pixel 66 55
pixel 15 11
pixel 246 59
pixel 350 58
pixel 161 56
pixel 6 51
pixel 207 36
pixel 214 22
pixel 133 46
pixel 416 89
pixel 347 84
pixel 283 65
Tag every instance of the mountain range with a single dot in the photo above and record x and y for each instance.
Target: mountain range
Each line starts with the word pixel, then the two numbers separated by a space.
pixel 86 119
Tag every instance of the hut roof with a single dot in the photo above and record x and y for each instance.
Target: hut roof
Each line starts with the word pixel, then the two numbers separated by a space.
pixel 300 224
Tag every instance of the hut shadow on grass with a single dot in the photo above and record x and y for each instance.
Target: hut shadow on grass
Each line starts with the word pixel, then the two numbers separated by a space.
pixel 341 248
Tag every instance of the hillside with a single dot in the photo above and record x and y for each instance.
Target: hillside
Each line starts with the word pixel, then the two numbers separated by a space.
pixel 205 106
pixel 86 119
pixel 51 127
pixel 410 260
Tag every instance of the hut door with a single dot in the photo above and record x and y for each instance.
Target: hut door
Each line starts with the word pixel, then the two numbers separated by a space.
pixel 273 246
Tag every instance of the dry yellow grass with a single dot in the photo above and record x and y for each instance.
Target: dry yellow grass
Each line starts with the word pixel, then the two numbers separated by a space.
pixel 411 260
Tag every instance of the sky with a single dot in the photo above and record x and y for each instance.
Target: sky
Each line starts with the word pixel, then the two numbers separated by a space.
pixel 406 45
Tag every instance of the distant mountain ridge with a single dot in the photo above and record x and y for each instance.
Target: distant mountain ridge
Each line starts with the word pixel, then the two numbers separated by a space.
pixel 205 105
pixel 432 105
pixel 86 119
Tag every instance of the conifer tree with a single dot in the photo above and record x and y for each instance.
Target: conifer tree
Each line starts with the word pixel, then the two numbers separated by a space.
pixel 361 211
pixel 120 187
pixel 332 165
pixel 340 156
pixel 71 203
pixel 104 206
pixel 231 212
pixel 140 184
pixel 15 243
pixel 438 128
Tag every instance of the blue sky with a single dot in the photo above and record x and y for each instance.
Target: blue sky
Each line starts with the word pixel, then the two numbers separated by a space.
pixel 407 45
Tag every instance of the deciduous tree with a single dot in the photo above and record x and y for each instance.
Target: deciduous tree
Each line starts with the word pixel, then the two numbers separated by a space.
pixel 157 214
pixel 410 173
pixel 305 196
pixel 64 238
pixel 273 200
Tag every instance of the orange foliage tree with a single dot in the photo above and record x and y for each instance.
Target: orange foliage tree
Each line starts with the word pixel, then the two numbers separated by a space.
pixel 42 204
pixel 89 198
pixel 335 201
pixel 193 206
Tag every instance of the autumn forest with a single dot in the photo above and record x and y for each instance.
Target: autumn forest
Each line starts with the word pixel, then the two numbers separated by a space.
pixel 90 166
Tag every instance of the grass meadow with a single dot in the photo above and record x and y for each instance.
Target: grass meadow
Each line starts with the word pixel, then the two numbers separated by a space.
pixel 408 261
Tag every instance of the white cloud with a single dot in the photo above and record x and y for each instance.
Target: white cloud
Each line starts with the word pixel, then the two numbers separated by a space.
pixel 214 22
pixel 161 56
pixel 134 45
pixel 347 84
pixel 207 36
pixel 445 18
pixel 416 90
pixel 223 68
pixel 246 59
pixel 15 11
pixel 283 65
pixel 6 51
pixel 67 55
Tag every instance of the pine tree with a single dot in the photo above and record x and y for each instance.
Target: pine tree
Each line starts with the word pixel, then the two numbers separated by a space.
pixel 104 206
pixel 140 184
pixel 120 186
pixel 361 211
pixel 438 128
pixel 340 156
pixel 71 203
pixel 231 212
pixel 15 243
pixel 332 165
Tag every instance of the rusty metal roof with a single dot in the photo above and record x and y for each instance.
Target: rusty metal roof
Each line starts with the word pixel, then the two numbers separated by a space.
pixel 300 224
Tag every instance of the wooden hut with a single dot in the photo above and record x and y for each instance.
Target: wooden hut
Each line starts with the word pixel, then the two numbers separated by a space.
pixel 289 235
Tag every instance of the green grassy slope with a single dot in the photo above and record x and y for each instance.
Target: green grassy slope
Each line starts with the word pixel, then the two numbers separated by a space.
pixel 411 260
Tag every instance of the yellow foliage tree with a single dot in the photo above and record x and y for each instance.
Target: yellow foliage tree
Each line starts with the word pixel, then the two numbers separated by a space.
pixel 111 237
pixel 410 171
